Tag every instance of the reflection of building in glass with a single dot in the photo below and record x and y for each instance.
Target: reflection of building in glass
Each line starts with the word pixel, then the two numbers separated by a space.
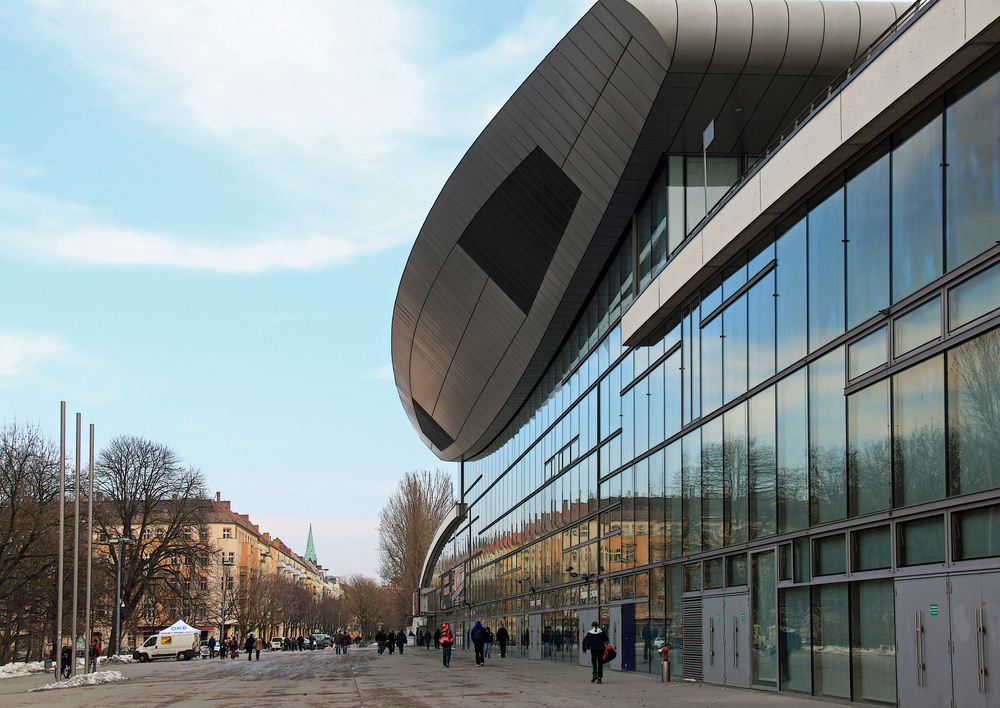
pixel 766 440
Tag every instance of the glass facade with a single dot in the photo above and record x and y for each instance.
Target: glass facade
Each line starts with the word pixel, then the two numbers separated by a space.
pixel 820 416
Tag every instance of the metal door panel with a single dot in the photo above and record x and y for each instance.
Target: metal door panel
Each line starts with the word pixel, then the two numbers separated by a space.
pixel 923 675
pixel 737 642
pixel 627 650
pixel 587 617
pixel 615 637
pixel 713 640
pixel 535 637
pixel 975 632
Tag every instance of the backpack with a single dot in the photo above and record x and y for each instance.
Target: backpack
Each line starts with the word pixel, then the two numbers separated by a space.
pixel 478 635
pixel 609 654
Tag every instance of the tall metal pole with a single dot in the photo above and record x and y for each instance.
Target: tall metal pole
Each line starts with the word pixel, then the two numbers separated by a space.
pixel 118 604
pixel 90 544
pixel 222 630
pixel 57 645
pixel 76 546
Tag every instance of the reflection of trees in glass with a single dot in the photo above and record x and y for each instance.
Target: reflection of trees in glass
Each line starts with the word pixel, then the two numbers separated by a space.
pixel 712 489
pixel 869 460
pixel 974 414
pixel 735 478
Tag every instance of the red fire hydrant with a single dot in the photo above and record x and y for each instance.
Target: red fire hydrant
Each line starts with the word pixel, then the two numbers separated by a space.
pixel 665 678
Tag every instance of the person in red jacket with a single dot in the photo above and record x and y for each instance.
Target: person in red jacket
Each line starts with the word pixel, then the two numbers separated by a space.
pixel 595 641
pixel 447 640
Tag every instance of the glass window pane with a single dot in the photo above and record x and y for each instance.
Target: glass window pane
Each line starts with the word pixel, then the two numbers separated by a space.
pixel 792 448
pixel 691 473
pixel 872 549
pixel 795 640
pixel 974 414
pixel 826 270
pixel 676 230
pixel 735 474
pixel 692 576
pixel 828 438
pixel 790 288
pixel 831 641
pixel 974 298
pixel 917 244
pixel 762 463
pixel 830 555
pixel 873 641
pixel 867 242
pixel 760 330
pixel 801 565
pixel 734 346
pixel 711 484
pixel 736 571
pixel 921 541
pixel 869 462
pixel 713 573
pixel 764 664
pixel 973 200
pixel 977 533
pixel 917 327
pixel 919 442
pixel 711 365
pixel 673 505
pixel 868 353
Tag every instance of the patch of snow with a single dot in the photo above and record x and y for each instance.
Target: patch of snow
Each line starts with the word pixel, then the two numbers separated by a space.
pixel 84 680
pixel 22 669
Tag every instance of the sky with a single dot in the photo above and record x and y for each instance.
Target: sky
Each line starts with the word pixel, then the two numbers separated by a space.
pixel 205 210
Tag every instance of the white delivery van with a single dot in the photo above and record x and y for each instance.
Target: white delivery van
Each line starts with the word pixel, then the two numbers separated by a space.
pixel 180 640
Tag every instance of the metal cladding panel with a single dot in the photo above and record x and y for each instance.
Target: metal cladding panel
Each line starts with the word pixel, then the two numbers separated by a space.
pixel 630 81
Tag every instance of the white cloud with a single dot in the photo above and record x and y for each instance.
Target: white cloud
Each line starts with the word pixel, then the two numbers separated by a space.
pixel 21 352
pixel 383 373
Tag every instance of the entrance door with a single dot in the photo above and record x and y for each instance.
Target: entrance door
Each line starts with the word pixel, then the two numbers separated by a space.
pixel 975 631
pixel 627 650
pixel 714 639
pixel 615 636
pixel 737 641
pixel 923 673
pixel 587 618
pixel 535 637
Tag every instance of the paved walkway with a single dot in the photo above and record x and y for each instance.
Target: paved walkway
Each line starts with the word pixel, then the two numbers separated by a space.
pixel 365 679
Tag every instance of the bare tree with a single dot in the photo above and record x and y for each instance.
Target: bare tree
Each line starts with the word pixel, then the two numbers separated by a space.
pixel 250 602
pixel 407 524
pixel 151 497
pixel 365 599
pixel 29 493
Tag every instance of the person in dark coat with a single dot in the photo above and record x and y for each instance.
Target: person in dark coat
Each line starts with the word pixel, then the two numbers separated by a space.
pixel 390 641
pixel 249 645
pixel 489 641
pixel 427 638
pixel 594 642
pixel 478 637
pixel 380 641
pixel 502 638
pixel 437 638
pixel 401 641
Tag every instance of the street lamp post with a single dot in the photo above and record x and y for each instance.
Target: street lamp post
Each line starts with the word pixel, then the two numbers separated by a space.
pixel 120 542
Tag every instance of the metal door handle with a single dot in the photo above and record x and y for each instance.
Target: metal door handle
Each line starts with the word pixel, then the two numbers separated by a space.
pixel 919 646
pixel 711 641
pixel 981 648
pixel 736 644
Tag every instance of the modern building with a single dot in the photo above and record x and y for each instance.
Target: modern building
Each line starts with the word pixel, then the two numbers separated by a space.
pixel 708 316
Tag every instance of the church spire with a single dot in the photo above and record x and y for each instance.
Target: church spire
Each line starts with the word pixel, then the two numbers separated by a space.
pixel 310 548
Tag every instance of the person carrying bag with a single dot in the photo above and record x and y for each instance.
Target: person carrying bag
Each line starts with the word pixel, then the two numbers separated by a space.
pixel 596 642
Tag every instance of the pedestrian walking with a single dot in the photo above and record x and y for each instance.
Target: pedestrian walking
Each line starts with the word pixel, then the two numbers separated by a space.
pixel 427 639
pixel 401 641
pixel 249 645
pixel 223 648
pixel 502 638
pixel 594 642
pixel 258 645
pixel 437 638
pixel 478 637
pixel 302 642
pixel 390 641
pixel 92 653
pixel 446 639
pixel 211 648
pixel 234 648
pixel 380 638
pixel 489 641
pixel 345 641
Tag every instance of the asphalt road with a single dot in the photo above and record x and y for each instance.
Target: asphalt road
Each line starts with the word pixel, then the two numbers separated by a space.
pixel 363 678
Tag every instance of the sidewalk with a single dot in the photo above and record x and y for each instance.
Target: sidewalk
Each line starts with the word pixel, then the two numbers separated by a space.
pixel 363 678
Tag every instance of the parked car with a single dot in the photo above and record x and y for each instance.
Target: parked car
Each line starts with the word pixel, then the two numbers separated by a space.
pixel 203 647
pixel 277 643
pixel 163 645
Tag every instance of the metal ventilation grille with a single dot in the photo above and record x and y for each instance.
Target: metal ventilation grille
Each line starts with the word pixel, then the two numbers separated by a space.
pixel 516 232
pixel 693 650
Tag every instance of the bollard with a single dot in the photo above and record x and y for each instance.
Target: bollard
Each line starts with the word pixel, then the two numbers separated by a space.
pixel 665 676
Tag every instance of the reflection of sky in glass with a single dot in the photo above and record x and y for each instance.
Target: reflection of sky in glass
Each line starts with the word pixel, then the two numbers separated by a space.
pixel 974 298
pixel 867 353
pixel 917 327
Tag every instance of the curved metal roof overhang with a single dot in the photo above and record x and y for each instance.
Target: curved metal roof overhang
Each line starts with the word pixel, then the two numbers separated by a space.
pixel 449 524
pixel 523 227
